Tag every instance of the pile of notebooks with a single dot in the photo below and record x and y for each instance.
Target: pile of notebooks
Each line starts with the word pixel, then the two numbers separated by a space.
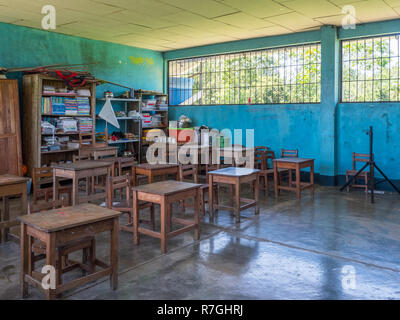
pixel 83 105
pixel 71 106
pixel 67 124
pixel 66 106
pixel 85 125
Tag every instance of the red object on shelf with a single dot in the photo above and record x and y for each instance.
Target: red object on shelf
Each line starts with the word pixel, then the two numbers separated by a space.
pixel 182 135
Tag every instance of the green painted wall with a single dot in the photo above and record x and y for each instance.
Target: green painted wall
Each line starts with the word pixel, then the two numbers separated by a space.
pixel 130 66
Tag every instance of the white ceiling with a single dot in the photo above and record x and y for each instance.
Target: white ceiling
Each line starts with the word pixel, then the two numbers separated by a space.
pixel 165 25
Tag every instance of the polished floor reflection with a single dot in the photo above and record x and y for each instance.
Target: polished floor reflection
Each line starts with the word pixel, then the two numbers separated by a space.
pixel 337 246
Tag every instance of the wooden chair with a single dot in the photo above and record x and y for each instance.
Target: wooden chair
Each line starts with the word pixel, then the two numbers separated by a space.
pixel 259 153
pixel 87 244
pixel 88 139
pixel 43 185
pixel 190 170
pixel 286 153
pixel 127 165
pixel 77 158
pixel 362 158
pixel 267 170
pixel 125 203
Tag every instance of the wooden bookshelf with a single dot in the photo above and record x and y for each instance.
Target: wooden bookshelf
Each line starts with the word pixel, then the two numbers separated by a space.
pixel 33 85
pixel 143 94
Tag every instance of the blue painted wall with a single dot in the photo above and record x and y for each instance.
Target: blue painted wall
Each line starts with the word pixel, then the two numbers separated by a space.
pixel 329 131
pixel 133 67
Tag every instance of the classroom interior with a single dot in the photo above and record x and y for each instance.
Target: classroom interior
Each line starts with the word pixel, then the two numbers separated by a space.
pixel 200 150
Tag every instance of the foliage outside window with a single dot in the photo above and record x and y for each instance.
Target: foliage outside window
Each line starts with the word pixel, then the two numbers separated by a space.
pixel 370 69
pixel 272 76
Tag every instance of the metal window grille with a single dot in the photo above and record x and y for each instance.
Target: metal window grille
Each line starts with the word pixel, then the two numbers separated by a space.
pixel 370 69
pixel 270 76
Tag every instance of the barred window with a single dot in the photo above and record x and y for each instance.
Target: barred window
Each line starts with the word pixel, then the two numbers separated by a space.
pixel 370 69
pixel 271 76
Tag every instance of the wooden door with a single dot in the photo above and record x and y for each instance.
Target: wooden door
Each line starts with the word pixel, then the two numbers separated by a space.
pixel 10 133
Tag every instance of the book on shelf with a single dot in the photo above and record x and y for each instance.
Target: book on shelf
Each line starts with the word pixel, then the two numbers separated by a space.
pixel 66 106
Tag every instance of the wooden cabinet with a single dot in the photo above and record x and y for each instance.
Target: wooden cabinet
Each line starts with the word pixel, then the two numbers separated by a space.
pixel 34 114
pixel 10 132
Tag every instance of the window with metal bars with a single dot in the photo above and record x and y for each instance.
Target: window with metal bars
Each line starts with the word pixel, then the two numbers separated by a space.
pixel 370 69
pixel 269 76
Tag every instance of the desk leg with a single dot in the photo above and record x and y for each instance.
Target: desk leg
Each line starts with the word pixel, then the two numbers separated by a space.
pixel 197 215
pixel 231 195
pixel 210 197
pixel 55 189
pixel 164 218
pixel 6 218
pixel 312 180
pixel 114 255
pixel 75 191
pixel 24 257
pixel 169 217
pixel 1 219
pixel 257 191
pixel 298 186
pixel 136 236
pixel 276 185
pixel 51 260
pixel 151 178
pixel 134 179
pixel 237 200
pixel 24 198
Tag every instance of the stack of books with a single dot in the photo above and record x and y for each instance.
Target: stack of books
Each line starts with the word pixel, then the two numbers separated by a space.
pixel 83 105
pixel 71 106
pixel 85 125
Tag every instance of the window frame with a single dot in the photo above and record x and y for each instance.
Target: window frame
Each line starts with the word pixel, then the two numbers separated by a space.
pixel 341 63
pixel 302 45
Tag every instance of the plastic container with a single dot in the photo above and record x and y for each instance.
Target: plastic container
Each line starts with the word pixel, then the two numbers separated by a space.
pixel 147 121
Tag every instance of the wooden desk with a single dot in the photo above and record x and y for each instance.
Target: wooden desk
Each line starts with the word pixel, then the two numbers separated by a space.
pixel 97 152
pixel 153 170
pixel 235 177
pixel 294 164
pixel 60 226
pixel 81 170
pixel 11 185
pixel 165 193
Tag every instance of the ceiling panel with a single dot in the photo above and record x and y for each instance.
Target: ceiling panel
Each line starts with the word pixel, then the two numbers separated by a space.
pixel 206 8
pixel 172 24
pixel 258 8
pixel 294 21
pixel 313 9
pixel 243 20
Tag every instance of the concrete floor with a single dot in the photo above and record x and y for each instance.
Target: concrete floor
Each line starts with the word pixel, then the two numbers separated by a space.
pixel 292 250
